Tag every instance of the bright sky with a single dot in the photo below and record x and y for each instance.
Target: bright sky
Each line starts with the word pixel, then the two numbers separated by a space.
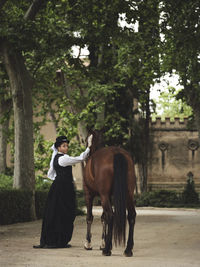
pixel 166 81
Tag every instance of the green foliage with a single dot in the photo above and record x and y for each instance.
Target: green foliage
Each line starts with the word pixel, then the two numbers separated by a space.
pixel 14 205
pixel 42 183
pixel 169 105
pixel 6 181
pixel 169 199
pixel 42 158
pixel 181 44
pixel 80 198
pixel 80 202
pixel 123 63
pixel 97 92
pixel 160 198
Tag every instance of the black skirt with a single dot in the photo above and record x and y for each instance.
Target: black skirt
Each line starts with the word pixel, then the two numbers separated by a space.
pixel 59 214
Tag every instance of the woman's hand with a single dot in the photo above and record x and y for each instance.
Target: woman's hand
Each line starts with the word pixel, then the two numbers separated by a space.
pixel 90 140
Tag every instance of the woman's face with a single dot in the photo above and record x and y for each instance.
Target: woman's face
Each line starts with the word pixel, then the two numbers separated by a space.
pixel 63 148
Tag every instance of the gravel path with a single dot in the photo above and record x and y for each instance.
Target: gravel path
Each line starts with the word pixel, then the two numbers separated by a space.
pixel 163 237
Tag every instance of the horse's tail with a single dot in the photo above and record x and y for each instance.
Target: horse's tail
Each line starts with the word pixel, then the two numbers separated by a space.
pixel 119 198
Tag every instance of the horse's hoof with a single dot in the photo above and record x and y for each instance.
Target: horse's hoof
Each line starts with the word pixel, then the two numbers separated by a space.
pixel 102 246
pixel 88 246
pixel 128 253
pixel 106 253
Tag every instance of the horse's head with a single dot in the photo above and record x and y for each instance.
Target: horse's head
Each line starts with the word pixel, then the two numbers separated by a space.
pixel 97 140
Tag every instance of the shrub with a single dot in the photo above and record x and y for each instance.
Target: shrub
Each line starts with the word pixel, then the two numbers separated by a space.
pixel 80 202
pixel 42 184
pixel 14 206
pixel 159 198
pixel 80 198
pixel 40 201
pixel 6 181
pixel 189 195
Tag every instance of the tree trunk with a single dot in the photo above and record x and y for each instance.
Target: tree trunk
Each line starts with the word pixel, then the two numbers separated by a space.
pixel 192 97
pixel 82 132
pixel 3 140
pixel 21 86
pixel 3 146
pixel 5 107
pixel 196 111
pixel 146 145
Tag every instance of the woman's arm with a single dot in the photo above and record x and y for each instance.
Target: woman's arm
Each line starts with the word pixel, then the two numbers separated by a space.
pixel 66 160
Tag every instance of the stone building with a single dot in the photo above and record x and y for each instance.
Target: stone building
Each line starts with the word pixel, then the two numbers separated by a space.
pixel 175 155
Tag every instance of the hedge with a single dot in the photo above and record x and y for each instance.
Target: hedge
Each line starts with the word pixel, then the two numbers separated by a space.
pixel 14 205
pixel 168 199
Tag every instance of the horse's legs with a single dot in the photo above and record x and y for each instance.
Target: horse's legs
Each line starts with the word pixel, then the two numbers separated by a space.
pixel 103 228
pixel 108 221
pixel 103 231
pixel 131 220
pixel 89 219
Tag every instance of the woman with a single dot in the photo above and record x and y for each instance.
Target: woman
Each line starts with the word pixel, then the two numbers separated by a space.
pixel 59 215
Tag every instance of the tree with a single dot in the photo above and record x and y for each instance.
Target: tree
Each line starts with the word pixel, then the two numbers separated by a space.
pixel 150 40
pixel 21 85
pixel 139 66
pixel 25 35
pixel 97 25
pixel 181 29
pixel 169 105
pixel 98 92
pixel 123 64
pixel 5 111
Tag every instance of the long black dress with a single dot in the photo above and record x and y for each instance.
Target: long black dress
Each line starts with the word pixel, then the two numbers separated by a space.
pixel 59 215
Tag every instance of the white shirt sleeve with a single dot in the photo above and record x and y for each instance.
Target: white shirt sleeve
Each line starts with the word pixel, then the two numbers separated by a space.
pixel 66 160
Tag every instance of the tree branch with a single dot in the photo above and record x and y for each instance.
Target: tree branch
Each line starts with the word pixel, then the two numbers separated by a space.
pixel 33 9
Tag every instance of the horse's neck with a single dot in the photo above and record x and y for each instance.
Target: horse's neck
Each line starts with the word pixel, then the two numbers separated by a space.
pixel 94 148
pixel 97 142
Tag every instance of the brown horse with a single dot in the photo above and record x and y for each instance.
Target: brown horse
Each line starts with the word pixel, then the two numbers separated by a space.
pixel 109 173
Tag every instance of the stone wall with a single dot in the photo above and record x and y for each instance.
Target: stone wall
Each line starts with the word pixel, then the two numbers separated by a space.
pixel 174 153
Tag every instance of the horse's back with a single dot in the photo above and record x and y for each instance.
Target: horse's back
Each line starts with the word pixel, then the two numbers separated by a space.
pixel 105 156
pixel 99 171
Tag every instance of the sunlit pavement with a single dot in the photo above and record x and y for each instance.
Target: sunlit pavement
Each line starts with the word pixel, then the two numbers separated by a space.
pixel 97 210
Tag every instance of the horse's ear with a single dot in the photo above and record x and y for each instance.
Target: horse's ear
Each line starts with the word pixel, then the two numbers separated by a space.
pixel 90 131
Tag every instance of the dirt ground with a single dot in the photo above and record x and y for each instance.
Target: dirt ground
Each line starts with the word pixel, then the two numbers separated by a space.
pixel 163 237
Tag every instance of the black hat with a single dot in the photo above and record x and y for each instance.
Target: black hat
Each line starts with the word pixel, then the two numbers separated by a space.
pixel 61 139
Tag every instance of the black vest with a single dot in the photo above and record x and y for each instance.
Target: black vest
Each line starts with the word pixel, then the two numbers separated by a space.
pixel 62 172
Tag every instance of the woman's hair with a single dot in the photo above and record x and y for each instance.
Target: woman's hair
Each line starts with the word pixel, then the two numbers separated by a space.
pixel 59 140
